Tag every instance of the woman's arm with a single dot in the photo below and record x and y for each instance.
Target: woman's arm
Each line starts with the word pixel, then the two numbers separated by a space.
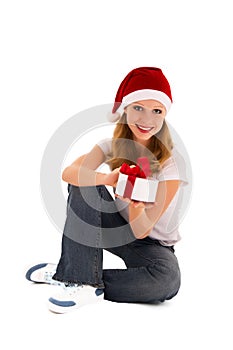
pixel 82 171
pixel 143 219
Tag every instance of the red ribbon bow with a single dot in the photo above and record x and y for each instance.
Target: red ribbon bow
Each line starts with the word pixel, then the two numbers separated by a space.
pixel 142 170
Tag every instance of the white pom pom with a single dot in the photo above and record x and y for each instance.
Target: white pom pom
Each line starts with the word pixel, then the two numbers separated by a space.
pixel 113 117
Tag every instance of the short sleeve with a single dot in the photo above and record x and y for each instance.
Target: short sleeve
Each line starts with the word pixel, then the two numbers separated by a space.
pixel 174 168
pixel 105 145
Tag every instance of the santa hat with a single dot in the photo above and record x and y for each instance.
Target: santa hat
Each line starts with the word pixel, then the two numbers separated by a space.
pixel 144 83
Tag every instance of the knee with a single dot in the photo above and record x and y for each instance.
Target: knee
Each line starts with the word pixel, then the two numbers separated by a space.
pixel 82 196
pixel 164 286
pixel 88 192
pixel 172 284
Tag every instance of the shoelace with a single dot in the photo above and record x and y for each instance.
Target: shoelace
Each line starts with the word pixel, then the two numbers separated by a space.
pixel 48 276
pixel 71 289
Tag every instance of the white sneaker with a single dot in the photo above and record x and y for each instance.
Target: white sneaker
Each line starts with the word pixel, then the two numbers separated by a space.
pixel 73 297
pixel 42 273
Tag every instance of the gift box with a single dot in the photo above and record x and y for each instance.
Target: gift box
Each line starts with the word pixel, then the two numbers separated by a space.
pixel 135 183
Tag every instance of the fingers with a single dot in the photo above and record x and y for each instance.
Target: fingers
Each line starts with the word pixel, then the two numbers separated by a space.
pixel 123 198
pixel 138 204
pixel 135 204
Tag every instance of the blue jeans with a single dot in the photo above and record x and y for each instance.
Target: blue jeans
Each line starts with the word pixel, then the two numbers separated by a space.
pixel 152 272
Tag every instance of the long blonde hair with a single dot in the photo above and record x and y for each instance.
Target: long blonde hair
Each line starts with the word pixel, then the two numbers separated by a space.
pixel 124 151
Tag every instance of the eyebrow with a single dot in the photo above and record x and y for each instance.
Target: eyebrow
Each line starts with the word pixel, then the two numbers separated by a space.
pixel 157 106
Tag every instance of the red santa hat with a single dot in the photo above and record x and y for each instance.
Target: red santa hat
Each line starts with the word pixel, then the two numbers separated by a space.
pixel 144 83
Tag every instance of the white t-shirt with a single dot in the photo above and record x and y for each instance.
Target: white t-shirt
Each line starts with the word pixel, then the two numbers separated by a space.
pixel 174 168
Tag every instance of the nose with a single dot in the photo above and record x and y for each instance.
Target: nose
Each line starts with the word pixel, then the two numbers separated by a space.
pixel 147 117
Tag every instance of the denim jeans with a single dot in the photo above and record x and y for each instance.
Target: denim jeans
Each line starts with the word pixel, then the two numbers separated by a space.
pixel 152 272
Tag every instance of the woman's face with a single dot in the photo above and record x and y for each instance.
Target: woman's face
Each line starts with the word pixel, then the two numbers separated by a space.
pixel 145 119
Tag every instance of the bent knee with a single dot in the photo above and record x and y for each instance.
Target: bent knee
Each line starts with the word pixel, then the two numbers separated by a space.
pixel 164 286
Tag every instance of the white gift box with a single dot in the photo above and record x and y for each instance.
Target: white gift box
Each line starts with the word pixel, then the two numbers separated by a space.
pixel 144 190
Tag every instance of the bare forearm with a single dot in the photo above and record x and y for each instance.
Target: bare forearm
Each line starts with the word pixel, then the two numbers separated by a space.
pixel 142 218
pixel 82 176
pixel 140 223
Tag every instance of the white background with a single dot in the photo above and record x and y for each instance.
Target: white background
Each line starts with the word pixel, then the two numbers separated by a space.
pixel 61 57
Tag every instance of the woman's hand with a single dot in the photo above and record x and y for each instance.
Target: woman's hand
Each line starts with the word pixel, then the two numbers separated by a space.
pixel 136 204
pixel 112 178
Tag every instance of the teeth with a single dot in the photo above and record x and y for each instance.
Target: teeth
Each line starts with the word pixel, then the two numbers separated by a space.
pixel 143 128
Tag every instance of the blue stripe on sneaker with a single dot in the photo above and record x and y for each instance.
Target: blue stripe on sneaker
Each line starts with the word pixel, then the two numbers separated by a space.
pixel 62 303
pixel 99 291
pixel 32 269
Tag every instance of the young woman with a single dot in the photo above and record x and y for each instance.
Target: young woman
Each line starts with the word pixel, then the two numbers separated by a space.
pixel 142 234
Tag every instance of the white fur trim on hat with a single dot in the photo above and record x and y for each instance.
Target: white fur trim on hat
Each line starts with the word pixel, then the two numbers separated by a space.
pixel 148 94
pixel 113 117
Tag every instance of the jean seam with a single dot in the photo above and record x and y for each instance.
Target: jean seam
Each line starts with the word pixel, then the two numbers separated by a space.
pixel 96 259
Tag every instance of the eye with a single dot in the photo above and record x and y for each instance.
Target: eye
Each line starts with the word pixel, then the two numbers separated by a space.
pixel 138 108
pixel 157 111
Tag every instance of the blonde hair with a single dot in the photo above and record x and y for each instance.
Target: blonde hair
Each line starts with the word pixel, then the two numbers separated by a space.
pixel 123 151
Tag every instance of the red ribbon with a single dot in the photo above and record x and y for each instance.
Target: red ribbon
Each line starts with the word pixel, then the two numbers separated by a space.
pixel 144 164
pixel 142 170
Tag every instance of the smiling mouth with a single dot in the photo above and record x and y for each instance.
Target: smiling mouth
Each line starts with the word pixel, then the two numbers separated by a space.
pixel 144 129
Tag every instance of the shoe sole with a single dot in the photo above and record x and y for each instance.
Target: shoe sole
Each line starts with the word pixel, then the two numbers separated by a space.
pixel 62 307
